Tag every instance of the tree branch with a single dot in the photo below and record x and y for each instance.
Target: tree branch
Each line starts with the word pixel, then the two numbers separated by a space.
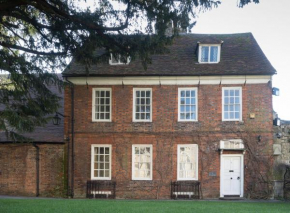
pixel 13 46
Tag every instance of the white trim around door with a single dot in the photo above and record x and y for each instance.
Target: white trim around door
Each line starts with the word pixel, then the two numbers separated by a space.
pixel 232 175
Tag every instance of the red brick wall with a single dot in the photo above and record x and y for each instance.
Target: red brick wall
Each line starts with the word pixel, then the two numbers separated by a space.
pixel 18 170
pixel 164 133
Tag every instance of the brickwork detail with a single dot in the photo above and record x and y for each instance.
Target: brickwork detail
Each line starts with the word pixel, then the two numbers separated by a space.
pixel 18 170
pixel 165 133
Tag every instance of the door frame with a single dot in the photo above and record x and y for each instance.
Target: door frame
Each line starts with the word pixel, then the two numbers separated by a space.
pixel 222 172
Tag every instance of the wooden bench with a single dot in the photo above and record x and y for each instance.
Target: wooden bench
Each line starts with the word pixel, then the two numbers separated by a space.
pixel 107 193
pixel 189 194
pixel 185 189
pixel 101 189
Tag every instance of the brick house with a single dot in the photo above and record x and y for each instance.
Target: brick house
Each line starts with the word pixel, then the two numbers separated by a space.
pixel 34 168
pixel 199 114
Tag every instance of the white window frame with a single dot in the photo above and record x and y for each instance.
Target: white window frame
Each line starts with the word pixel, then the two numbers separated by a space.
pixel 209 45
pixel 94 103
pixel 241 103
pixel 196 103
pixel 134 105
pixel 195 146
pixel 93 161
pixel 133 161
pixel 119 61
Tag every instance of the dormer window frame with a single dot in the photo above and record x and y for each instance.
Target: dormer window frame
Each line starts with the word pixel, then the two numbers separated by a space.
pixel 120 62
pixel 209 52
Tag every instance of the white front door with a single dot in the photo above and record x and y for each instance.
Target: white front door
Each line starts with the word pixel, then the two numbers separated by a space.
pixel 231 175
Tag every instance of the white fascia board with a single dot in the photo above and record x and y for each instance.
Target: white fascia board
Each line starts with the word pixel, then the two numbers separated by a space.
pixel 171 80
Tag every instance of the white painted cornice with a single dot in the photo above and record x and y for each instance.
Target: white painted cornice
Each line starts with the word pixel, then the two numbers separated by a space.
pixel 171 80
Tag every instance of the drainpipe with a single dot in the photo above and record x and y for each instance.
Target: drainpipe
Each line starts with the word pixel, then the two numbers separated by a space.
pixel 37 168
pixel 72 138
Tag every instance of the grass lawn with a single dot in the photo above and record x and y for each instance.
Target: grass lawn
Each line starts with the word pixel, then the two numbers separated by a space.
pixel 119 206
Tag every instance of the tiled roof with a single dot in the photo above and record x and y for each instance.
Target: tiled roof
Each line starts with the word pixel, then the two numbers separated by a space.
pixel 240 55
pixel 49 132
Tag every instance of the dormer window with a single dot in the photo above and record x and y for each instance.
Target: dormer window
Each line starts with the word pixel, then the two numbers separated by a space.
pixel 118 60
pixel 209 53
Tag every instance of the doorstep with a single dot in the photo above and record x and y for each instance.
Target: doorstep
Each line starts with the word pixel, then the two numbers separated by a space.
pixel 232 198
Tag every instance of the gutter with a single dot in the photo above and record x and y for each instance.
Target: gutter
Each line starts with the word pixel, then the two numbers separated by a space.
pixel 71 193
pixel 38 142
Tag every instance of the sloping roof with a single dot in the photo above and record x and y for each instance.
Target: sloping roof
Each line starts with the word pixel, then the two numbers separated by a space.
pixel 240 55
pixel 49 132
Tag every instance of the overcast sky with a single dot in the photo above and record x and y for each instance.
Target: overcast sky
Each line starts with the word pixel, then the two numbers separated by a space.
pixel 269 21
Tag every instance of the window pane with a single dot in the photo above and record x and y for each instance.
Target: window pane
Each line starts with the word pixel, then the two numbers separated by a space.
pixel 226 108
pixel 237 115
pixel 187 93
pixel 193 101
pixel 142 162
pixel 226 100
pixel 182 116
pixel 226 92
pixel 193 117
pixel 237 108
pixel 182 108
pixel 107 116
pixel 142 94
pixel 102 162
pixel 237 100
pixel 192 93
pixel 143 106
pixel 232 104
pixel 182 101
pixel 187 162
pixel 213 54
pixel 147 108
pixel 147 116
pixel 226 115
pixel 102 104
pixel 147 93
pixel 204 53
pixel 182 94
pixel 107 100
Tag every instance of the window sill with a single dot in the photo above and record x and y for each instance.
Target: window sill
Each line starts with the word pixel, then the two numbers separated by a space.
pixel 147 121
pixel 92 178
pixel 208 62
pixel 189 121
pixel 101 121
pixel 187 179
pixel 142 179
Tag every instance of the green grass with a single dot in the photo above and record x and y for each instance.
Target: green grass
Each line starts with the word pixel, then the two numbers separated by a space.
pixel 126 206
